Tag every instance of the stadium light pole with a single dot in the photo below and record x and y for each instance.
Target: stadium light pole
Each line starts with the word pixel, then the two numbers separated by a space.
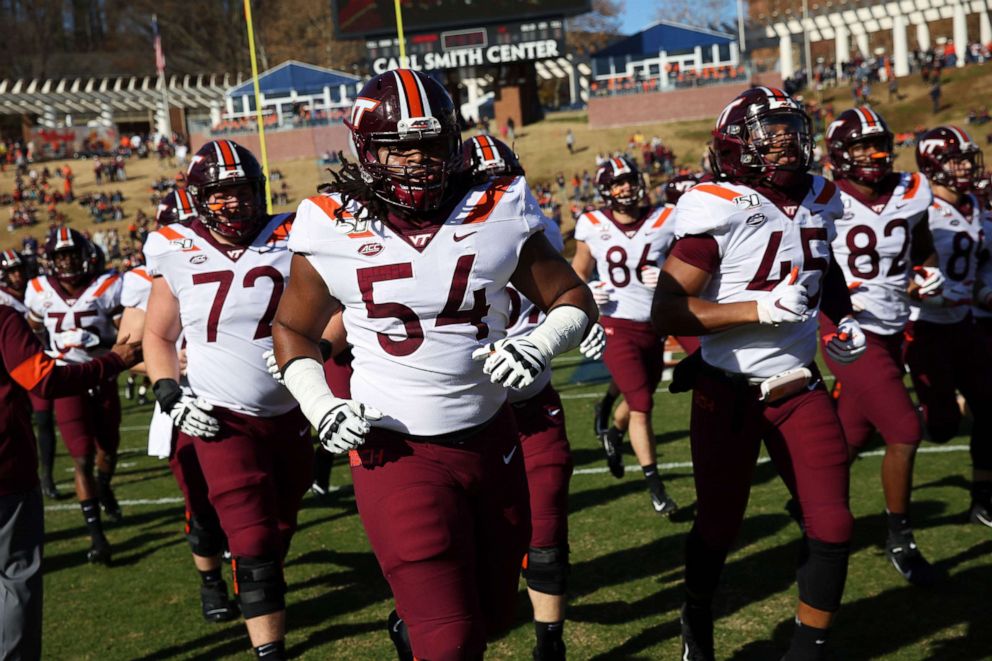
pixel 740 26
pixel 258 108
pixel 400 36
pixel 806 47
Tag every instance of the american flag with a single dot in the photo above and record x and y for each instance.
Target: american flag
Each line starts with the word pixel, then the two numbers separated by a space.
pixel 159 53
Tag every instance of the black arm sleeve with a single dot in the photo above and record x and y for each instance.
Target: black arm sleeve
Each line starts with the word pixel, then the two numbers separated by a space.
pixel 835 303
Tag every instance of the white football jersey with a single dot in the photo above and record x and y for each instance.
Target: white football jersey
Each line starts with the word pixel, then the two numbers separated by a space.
pixel 137 288
pixel 958 239
pixel 227 296
pixel 525 316
pixel 417 304
pixel 8 297
pixel 94 309
pixel 872 249
pixel 621 251
pixel 758 246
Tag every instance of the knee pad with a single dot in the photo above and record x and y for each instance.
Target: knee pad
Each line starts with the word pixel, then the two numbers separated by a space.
pixel 259 584
pixel 204 535
pixel 821 574
pixel 546 570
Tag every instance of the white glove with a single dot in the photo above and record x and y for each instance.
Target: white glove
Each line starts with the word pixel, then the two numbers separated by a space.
pixel 785 304
pixel 649 276
pixel 929 279
pixel 594 345
pixel 514 363
pixel 76 338
pixel 344 426
pixel 273 366
pixel 848 343
pixel 191 415
pixel 602 292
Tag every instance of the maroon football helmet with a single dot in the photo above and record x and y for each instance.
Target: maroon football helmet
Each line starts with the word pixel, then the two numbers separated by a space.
pixel 854 126
pixel 759 122
pixel 13 273
pixel 72 257
pixel 941 150
pixel 179 206
pixel 404 110
pixel 485 157
pixel 678 186
pixel 221 164
pixel 617 170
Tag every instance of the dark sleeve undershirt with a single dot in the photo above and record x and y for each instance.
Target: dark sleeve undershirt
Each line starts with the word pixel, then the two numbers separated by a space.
pixel 835 303
pixel 699 250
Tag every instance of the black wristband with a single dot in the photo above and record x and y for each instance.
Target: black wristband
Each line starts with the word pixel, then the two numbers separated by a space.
pixel 326 348
pixel 167 393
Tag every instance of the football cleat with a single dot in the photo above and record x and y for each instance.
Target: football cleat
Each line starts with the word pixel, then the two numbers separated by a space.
pixel 552 652
pixel 697 633
pixel 902 552
pixel 981 512
pixel 400 637
pixel 323 491
pixel 215 604
pixel 663 504
pixel 612 440
pixel 99 553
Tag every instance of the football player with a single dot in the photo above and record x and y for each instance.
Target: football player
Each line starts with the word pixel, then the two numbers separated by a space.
pixel 946 352
pixel 750 271
pixel 420 260
pixel 624 242
pixel 218 280
pixel 882 234
pixel 79 307
pixel 202 527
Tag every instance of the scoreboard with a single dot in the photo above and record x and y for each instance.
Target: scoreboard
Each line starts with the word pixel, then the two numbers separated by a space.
pixel 370 18
pixel 493 44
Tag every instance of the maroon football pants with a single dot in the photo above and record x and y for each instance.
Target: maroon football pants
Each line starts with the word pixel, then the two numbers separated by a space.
pixel 256 470
pixel 90 421
pixel 943 359
pixel 804 439
pixel 449 525
pixel 635 358
pixel 548 462
pixel 185 467
pixel 872 393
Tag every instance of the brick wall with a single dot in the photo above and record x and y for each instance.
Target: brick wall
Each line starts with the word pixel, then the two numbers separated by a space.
pixel 693 103
pixel 310 142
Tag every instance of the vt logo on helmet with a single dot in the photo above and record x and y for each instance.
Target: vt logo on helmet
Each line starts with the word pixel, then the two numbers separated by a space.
pixel 763 133
pixel 228 189
pixel 860 145
pixel 947 156
pixel 611 179
pixel 407 139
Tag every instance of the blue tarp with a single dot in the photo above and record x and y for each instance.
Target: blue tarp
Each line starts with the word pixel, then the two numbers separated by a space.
pixel 664 36
pixel 304 79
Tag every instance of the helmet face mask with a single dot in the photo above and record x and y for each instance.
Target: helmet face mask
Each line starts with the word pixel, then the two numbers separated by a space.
pixel 218 167
pixel 620 185
pixel 860 146
pixel 407 139
pixel 73 259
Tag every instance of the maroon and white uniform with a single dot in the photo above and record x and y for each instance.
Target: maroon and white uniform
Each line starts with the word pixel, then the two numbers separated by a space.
pixel 92 419
pixel 947 351
pixel 11 298
pixel 258 466
pixel 747 243
pixel 872 249
pixel 440 481
pixel 634 351
pixel 137 288
pixel 540 419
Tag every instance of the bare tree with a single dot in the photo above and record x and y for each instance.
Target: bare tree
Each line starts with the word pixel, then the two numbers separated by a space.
pixel 699 13
pixel 589 32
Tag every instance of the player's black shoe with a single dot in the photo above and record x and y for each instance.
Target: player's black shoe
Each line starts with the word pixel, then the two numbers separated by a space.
pixel 697 633
pixel 552 652
pixel 902 552
pixel 663 504
pixel 99 553
pixel 612 440
pixel 981 511
pixel 215 604
pixel 400 637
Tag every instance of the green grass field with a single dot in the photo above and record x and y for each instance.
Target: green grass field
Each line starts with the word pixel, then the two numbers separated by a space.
pixel 625 586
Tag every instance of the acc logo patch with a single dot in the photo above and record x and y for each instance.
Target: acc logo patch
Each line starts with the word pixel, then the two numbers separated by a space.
pixel 371 249
pixel 745 202
pixel 755 220
pixel 197 259
pixel 605 236
pixel 955 222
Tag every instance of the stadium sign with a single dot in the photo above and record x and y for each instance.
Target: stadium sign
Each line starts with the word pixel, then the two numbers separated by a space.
pixel 466 57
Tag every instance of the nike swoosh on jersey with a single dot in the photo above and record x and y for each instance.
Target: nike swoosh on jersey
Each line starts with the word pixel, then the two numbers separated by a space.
pixel 508 457
pixel 463 236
